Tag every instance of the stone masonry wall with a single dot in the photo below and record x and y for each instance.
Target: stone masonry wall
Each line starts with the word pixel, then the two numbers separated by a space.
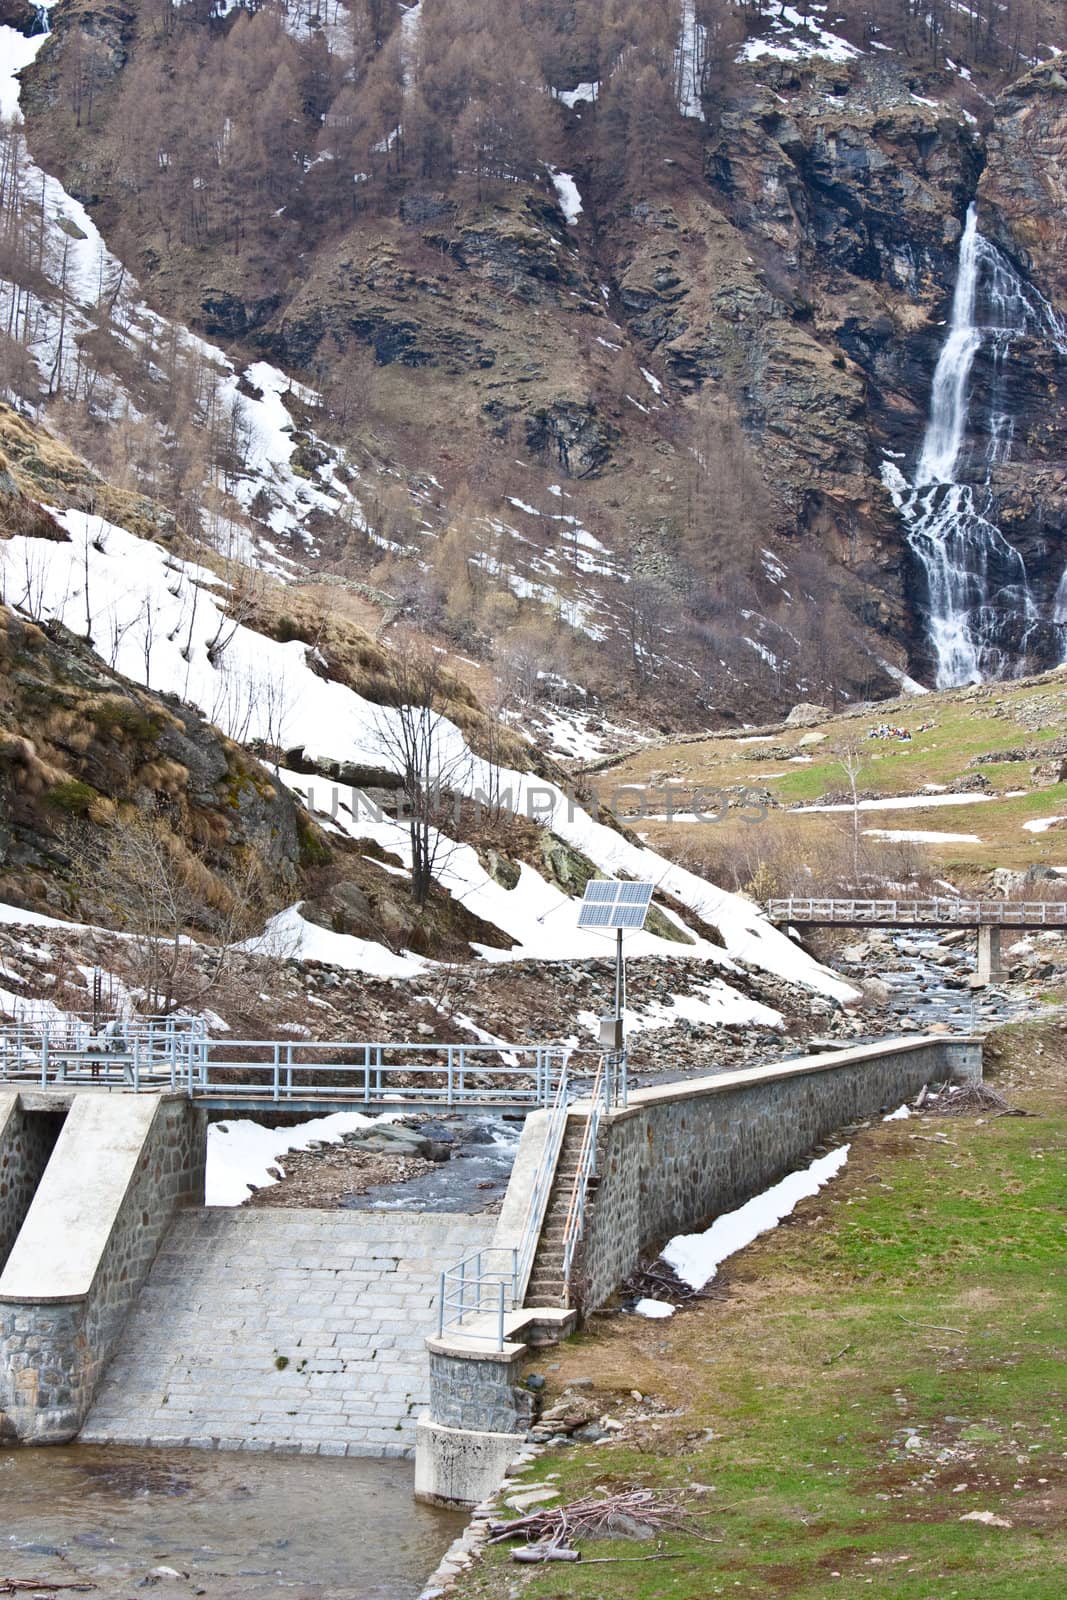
pixel 291 1331
pixel 481 1392
pixel 26 1142
pixel 675 1159
pixel 53 1354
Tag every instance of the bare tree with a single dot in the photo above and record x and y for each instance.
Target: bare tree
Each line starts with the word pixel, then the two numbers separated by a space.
pixel 427 752
pixel 155 892
pixel 851 758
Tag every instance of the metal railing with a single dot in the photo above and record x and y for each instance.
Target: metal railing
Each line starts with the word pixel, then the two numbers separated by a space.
pixel 493 1280
pixel 175 1053
pixel 485 1283
pixel 611 1070
pixel 541 1187
pixel 950 910
pixel 68 1047
pixel 489 1283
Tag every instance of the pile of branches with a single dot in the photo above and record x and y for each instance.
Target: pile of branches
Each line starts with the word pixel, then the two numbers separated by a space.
pixel 550 1532
pixel 655 1280
pixel 966 1100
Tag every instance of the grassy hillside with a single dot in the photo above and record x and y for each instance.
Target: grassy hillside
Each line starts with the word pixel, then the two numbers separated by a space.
pixel 1013 736
pixel 872 1383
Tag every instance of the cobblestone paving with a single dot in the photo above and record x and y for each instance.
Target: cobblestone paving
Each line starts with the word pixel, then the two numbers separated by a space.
pixel 283 1330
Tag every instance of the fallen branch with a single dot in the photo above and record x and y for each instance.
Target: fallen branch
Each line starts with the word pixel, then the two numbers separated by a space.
pixel 609 1561
pixel 40 1586
pixel 533 1554
pixel 931 1327
pixel 604 1516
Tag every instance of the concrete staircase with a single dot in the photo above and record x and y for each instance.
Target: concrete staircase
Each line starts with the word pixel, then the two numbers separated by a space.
pixel 547 1286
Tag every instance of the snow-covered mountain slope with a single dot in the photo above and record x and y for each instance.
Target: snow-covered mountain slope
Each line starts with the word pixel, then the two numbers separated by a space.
pixel 161 622
pixel 172 625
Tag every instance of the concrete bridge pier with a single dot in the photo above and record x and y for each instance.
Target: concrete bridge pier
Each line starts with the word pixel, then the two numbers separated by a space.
pixel 990 962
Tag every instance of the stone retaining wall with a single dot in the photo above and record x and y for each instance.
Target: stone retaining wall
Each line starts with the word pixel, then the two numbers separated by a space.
pixel 480 1392
pixel 62 1309
pixel 681 1155
pixel 26 1142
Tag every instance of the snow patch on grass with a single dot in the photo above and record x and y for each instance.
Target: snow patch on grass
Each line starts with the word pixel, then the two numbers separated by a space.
pixel 696 1257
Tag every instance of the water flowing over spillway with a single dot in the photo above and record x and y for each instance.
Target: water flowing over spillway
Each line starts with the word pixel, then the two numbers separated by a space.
pixel 976 597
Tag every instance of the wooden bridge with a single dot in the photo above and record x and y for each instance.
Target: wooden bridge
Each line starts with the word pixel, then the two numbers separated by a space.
pixel 988 917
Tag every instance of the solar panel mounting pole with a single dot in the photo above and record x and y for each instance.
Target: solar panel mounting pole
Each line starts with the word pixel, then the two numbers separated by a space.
pixel 619 977
pixel 619 904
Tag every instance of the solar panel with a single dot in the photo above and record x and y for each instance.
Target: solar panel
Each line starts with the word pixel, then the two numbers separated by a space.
pixel 608 904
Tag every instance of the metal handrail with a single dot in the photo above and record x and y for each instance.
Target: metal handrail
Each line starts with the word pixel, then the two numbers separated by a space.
pixel 288 1071
pixel 470 1288
pixel 494 1280
pixel 612 1070
pixel 543 1179
pixel 68 1047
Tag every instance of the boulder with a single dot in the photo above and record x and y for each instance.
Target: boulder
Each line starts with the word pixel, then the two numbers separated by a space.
pixel 804 714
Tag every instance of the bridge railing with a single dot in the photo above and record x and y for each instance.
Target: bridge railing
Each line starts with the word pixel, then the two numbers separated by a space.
pixel 159 1055
pixel 374 1072
pixel 62 1047
pixel 911 913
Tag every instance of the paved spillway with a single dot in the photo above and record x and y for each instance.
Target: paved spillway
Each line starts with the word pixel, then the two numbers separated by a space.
pixel 287 1330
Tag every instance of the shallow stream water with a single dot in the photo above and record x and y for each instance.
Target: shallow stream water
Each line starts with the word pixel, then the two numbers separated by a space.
pixel 228 1527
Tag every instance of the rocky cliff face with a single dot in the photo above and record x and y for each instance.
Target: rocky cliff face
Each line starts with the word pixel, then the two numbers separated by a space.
pixel 772 294
pixel 79 745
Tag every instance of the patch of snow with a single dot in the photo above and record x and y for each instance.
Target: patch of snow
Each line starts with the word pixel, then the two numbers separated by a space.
pixel 906 802
pixel 715 1005
pixel 410 20
pixel 696 1257
pixel 795 37
pixel 652 381
pixel 653 1308
pixel 241 1153
pixel 917 836
pixel 908 684
pixel 898 1115
pixel 690 56
pixel 1042 824
pixel 570 201
pixel 585 93
pixel 292 935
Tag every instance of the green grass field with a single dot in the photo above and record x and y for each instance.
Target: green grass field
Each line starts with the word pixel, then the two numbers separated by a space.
pixel 966 723
pixel 890 1360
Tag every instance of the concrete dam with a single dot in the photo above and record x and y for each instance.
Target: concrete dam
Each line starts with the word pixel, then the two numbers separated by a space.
pixel 131 1312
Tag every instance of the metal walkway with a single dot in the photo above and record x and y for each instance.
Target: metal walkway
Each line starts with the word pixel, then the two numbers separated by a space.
pixel 293 1075
pixel 949 912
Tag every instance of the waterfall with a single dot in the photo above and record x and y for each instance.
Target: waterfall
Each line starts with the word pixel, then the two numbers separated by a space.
pixel 689 61
pixel 980 611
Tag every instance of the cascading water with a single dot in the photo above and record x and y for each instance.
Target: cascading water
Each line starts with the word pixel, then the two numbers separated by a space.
pixel 980 611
